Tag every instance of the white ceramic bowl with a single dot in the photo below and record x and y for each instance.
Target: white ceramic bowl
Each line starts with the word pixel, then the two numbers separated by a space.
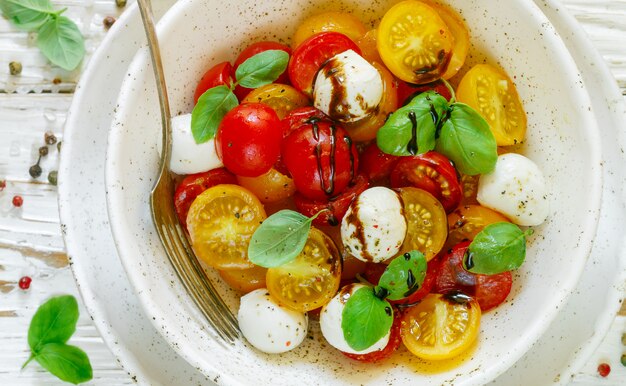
pixel 562 138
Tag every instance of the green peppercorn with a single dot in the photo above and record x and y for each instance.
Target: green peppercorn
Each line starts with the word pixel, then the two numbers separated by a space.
pixel 15 68
pixel 624 339
pixel 53 177
pixel 623 359
pixel 35 171
pixel 50 138
pixel 43 151
pixel 59 145
pixel 120 3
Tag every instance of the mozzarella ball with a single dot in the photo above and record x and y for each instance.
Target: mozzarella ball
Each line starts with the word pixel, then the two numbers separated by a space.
pixel 188 157
pixel 374 226
pixel 517 189
pixel 268 326
pixel 347 88
pixel 330 323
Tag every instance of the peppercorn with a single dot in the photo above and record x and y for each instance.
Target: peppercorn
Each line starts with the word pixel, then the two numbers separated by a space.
pixel 50 138
pixel 3 184
pixel 53 177
pixel 43 151
pixel 35 170
pixel 59 145
pixel 108 22
pixel 57 80
pixel 120 3
pixel 24 282
pixel 18 201
pixel 604 369
pixel 624 339
pixel 623 359
pixel 15 68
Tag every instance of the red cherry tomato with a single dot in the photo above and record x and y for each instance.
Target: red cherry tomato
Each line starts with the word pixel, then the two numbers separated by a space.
pixel 309 56
pixel 248 139
pixel 299 117
pixel 257 48
pixel 194 184
pixel 321 158
pixel 489 290
pixel 406 91
pixel 336 206
pixel 220 74
pixel 375 164
pixel 373 272
pixel 431 172
pixel 394 342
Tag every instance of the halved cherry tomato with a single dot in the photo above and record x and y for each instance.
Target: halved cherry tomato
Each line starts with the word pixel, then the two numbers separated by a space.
pixel 441 326
pixel 380 355
pixel 489 290
pixel 248 139
pixel 311 279
pixel 333 209
pixel 467 221
pixel 432 172
pixel 257 48
pixel 469 186
pixel 427 224
pixel 367 44
pixel 414 42
pixel 321 158
pixel 281 97
pixel 309 56
pixel 194 184
pixel 221 222
pixel 492 93
pixel 245 280
pixel 269 187
pixel 376 164
pixel 461 37
pixel 329 21
pixel 366 128
pixel 218 75
pixel 408 91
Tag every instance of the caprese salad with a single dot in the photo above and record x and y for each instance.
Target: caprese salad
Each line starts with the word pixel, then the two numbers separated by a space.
pixel 345 179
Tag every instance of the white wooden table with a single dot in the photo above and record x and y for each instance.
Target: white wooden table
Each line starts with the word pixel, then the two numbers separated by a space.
pixel 30 238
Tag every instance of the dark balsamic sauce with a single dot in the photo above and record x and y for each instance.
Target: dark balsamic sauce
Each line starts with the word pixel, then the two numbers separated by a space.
pixel 411 147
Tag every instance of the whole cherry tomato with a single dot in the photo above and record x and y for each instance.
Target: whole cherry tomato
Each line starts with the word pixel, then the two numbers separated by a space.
pixel 248 139
pixel 334 208
pixel 489 290
pixel 257 48
pixel 432 172
pixel 394 342
pixel 407 91
pixel 218 75
pixel 375 164
pixel 194 184
pixel 301 116
pixel 321 158
pixel 309 56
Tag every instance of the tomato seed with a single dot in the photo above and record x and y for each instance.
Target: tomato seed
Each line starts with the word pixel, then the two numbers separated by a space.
pixel 18 201
pixel 604 369
pixel 24 282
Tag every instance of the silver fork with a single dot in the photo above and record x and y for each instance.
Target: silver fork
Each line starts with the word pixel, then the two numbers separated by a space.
pixel 172 235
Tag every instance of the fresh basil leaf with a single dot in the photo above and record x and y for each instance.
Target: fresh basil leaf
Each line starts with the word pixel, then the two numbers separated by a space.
pixel 466 139
pixel 498 248
pixel 27 15
pixel 68 363
pixel 365 319
pixel 209 112
pixel 262 68
pixel 54 322
pixel 404 275
pixel 412 129
pixel 60 40
pixel 279 239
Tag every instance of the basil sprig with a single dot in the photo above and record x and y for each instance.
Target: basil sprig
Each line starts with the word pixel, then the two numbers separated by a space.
pixel 58 37
pixel 498 248
pixel 367 315
pixel 52 326
pixel 258 70
pixel 454 129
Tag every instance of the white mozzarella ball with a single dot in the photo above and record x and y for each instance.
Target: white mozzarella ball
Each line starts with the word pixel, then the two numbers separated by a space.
pixel 374 226
pixel 348 88
pixel 269 326
pixel 517 189
pixel 188 157
pixel 330 323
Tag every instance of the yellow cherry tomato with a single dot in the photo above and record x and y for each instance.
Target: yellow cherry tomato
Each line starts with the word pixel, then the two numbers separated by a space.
pixel 329 21
pixel 467 221
pixel 441 326
pixel 414 42
pixel 269 187
pixel 492 93
pixel 426 220
pixel 280 97
pixel 311 279
pixel 221 221
pixel 367 44
pixel 245 280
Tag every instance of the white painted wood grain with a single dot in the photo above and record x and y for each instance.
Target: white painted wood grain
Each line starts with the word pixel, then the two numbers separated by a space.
pixel 30 238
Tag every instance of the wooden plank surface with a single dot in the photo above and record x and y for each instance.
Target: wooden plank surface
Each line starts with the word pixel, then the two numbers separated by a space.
pixel 30 238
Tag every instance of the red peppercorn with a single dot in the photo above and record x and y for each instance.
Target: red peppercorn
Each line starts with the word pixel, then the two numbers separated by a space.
pixel 604 369
pixel 18 201
pixel 24 282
